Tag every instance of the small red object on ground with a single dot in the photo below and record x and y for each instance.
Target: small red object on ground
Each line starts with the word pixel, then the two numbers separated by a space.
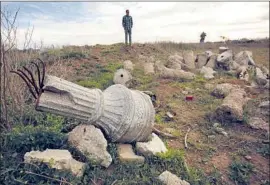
pixel 189 98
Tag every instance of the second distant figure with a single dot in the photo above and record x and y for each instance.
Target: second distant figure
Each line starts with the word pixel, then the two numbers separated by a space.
pixel 127 24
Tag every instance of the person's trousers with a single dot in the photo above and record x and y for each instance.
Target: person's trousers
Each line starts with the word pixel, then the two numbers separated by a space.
pixel 128 36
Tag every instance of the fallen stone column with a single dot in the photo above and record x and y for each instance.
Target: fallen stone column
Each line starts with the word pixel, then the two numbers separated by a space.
pixel 124 115
pixel 173 73
pixel 232 106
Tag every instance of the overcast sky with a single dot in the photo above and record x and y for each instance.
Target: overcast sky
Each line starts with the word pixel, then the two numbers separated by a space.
pixel 90 23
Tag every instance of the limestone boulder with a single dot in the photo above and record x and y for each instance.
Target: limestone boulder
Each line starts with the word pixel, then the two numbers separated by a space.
pixel 58 159
pixel 128 65
pixel 122 77
pixel 207 72
pixel 90 141
pixel 152 147
pixel 169 178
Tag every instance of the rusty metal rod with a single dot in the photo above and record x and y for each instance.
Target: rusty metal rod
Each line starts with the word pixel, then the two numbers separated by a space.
pixel 23 73
pixel 43 75
pixel 33 79
pixel 27 83
pixel 38 73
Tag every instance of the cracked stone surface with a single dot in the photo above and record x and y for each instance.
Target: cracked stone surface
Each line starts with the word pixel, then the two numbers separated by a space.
pixel 59 159
pixel 91 143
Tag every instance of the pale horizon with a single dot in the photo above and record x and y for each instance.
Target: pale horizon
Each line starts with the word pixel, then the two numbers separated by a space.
pixel 91 23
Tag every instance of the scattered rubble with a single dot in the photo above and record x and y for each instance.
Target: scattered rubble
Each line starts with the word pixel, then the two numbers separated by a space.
pixel 59 159
pixel 169 178
pixel 152 147
pixel 173 73
pixel 91 143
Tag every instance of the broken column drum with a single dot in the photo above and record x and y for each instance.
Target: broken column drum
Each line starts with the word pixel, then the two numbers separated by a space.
pixel 124 115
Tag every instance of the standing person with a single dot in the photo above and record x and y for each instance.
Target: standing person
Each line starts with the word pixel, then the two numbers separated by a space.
pixel 203 35
pixel 127 24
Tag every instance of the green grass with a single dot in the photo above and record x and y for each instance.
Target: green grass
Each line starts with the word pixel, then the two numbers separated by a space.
pixel 240 172
pixel 103 78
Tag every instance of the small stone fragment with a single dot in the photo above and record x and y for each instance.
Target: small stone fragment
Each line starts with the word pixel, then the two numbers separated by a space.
pixel 59 159
pixel 127 155
pixel 169 115
pixel 152 147
pixel 122 77
pixel 169 178
pixel 248 157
